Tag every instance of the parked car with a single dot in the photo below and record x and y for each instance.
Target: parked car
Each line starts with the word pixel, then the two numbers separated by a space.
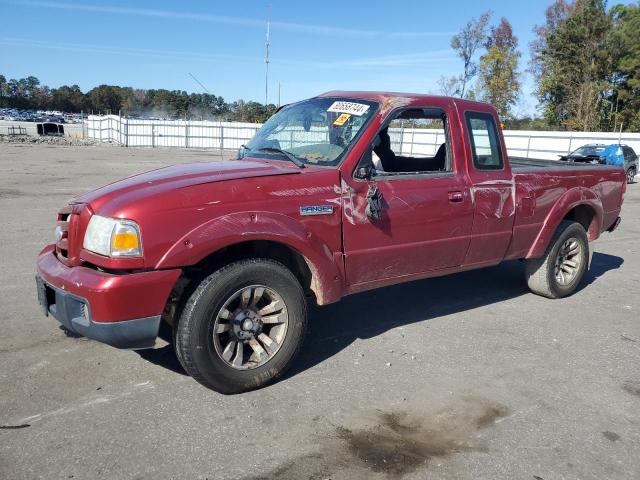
pixel 222 257
pixel 19 115
pixel 616 154
pixel 622 156
pixel 586 154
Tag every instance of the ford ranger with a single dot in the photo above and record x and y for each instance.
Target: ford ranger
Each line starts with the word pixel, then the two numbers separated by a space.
pixel 326 200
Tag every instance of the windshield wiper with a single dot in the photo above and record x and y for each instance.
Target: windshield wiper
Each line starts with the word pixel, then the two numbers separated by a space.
pixel 289 155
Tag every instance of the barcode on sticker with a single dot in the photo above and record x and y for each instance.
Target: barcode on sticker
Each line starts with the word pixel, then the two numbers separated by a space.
pixel 357 109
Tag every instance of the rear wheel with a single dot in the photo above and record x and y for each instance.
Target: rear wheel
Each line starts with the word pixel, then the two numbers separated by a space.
pixel 631 173
pixel 242 326
pixel 559 271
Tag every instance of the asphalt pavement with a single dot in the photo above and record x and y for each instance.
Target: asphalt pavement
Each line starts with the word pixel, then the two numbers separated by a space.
pixel 468 376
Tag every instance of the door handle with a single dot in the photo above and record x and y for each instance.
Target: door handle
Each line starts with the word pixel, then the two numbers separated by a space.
pixel 456 197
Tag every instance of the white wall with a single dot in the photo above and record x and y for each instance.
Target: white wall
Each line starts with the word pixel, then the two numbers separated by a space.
pixel 230 135
pixel 520 143
pixel 534 144
pixel 169 133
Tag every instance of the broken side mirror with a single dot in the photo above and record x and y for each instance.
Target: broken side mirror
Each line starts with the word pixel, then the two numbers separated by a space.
pixel 365 172
pixel 374 203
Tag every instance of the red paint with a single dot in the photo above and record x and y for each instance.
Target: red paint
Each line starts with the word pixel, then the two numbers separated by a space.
pixel 111 298
pixel 429 226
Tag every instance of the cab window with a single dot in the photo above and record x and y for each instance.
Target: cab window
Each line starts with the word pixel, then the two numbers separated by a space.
pixel 485 144
pixel 415 141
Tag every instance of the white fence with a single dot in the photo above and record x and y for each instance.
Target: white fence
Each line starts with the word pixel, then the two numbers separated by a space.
pixel 230 135
pixel 169 133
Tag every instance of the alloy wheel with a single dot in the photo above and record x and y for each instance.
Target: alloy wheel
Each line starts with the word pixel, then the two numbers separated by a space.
pixel 250 328
pixel 568 261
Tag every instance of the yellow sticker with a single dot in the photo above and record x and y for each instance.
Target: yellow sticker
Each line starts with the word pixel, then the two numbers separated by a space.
pixel 342 119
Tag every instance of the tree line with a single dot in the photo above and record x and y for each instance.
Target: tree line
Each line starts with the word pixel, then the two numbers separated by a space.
pixel 585 62
pixel 29 93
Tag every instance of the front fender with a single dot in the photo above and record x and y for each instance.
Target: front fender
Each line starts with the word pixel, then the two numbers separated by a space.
pixel 235 228
pixel 571 199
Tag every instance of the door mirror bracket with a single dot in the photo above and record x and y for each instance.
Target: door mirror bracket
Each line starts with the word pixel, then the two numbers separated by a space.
pixel 374 203
pixel 365 172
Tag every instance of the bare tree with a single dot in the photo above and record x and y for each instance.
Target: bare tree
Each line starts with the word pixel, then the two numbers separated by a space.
pixel 466 44
pixel 450 86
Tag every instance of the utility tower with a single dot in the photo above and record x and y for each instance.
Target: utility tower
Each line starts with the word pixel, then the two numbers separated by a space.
pixel 266 57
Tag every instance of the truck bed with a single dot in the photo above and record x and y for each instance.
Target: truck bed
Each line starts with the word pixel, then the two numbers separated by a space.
pixel 545 183
pixel 523 165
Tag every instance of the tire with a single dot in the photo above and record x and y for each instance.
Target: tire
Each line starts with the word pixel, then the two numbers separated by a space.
pixel 177 349
pixel 541 272
pixel 238 358
pixel 631 173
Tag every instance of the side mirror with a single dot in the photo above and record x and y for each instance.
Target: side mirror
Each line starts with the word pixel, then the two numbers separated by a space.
pixel 365 169
pixel 365 172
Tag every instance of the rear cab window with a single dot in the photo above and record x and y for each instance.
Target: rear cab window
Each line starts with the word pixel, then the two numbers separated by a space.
pixel 484 141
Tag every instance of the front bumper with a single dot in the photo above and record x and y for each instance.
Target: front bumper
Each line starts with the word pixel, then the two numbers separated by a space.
pixel 121 310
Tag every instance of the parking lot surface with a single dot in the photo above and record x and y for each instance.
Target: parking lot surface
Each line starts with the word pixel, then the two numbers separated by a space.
pixel 466 376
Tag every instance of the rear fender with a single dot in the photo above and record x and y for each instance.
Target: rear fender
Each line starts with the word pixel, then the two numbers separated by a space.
pixel 568 201
pixel 241 227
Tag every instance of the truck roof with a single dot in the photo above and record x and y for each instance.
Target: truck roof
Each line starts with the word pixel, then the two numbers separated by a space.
pixel 399 97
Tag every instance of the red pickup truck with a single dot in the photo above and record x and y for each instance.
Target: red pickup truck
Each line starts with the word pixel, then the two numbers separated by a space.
pixel 326 200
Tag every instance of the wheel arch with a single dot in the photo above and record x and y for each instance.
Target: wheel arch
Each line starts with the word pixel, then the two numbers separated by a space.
pixel 585 215
pixel 578 204
pixel 261 235
pixel 268 249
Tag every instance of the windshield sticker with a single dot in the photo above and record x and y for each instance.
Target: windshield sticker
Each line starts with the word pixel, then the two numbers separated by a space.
pixel 342 119
pixel 357 109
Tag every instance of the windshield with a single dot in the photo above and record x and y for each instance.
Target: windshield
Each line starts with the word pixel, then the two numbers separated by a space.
pixel 317 131
pixel 588 150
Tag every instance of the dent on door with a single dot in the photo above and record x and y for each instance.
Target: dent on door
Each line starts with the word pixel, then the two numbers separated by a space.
pixel 494 214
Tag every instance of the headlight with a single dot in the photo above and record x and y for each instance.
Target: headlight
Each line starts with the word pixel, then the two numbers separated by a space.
pixel 113 237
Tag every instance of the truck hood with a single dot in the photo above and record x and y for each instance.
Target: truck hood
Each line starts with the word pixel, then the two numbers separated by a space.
pixel 158 181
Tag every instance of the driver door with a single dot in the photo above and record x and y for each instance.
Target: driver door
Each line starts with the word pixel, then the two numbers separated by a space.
pixel 424 222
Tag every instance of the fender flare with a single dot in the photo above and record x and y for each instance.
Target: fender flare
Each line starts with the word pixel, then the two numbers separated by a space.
pixel 241 227
pixel 571 199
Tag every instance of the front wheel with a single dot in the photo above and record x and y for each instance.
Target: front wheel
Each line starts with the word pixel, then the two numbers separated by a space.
pixel 242 326
pixel 559 271
pixel 631 173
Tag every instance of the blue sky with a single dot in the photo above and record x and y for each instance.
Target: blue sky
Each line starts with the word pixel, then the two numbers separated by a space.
pixel 315 46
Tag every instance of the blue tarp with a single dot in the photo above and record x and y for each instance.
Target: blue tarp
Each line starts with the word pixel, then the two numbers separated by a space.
pixel 613 155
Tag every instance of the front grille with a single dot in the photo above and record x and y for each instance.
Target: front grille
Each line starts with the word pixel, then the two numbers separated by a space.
pixel 67 227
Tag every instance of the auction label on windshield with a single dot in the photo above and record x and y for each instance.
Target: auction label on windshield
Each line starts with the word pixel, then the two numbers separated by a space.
pixel 342 119
pixel 357 109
